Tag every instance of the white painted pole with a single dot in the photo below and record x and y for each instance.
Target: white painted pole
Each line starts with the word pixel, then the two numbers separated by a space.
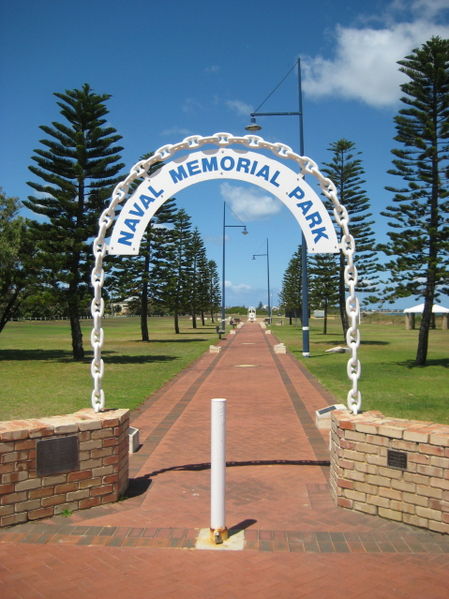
pixel 218 469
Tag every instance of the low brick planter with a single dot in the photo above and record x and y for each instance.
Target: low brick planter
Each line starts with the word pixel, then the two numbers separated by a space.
pixel 70 462
pixel 390 467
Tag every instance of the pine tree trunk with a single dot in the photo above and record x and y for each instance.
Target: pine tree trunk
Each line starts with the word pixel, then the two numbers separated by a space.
pixel 423 337
pixel 176 321
pixel 203 322
pixel 144 313
pixel 77 337
pixel 325 318
pixel 144 324
pixel 73 302
pixel 8 310
pixel 144 295
pixel 429 293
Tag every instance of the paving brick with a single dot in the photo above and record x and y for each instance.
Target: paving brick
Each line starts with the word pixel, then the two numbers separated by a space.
pixel 390 514
pixel 31 483
pixel 390 431
pixel 403 485
pixel 442 527
pixel 13 498
pixel 41 513
pixel 13 519
pixel 425 512
pixel 429 470
pixel 428 491
pixel 415 499
pixel 26 506
pixel 378 501
pixel 390 493
pixel 416 435
pixel 440 483
pixel 79 475
pixel 366 508
pixel 116 550
pixel 441 439
pixel 415 520
pixel 54 500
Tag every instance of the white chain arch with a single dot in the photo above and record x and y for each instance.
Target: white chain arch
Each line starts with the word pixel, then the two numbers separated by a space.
pixel 140 170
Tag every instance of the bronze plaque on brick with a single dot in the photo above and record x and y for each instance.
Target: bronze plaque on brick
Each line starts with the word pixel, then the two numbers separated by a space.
pixel 56 456
pixel 397 459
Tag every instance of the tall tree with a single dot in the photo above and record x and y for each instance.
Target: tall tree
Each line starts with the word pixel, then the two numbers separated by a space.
pixel 133 276
pixel 214 292
pixel 173 273
pixel 18 262
pixel 324 282
pixel 290 295
pixel 78 167
pixel 346 171
pixel 419 216
pixel 197 256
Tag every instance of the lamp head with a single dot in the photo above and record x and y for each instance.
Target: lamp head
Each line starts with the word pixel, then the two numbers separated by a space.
pixel 253 126
pixel 244 232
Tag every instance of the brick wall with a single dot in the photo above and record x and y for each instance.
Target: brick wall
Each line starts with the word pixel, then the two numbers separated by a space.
pixel 100 477
pixel 362 479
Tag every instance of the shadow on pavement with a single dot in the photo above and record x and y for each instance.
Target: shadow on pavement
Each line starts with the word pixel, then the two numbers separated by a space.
pixel 139 485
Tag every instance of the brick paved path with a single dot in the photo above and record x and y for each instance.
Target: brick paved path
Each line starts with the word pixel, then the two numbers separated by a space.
pixel 297 543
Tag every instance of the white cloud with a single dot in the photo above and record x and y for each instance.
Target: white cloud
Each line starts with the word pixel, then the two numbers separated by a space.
pixel 176 131
pixel 365 63
pixel 191 105
pixel 238 288
pixel 239 107
pixel 430 8
pixel 213 68
pixel 249 203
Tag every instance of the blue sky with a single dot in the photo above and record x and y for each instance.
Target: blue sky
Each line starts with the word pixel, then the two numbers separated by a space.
pixel 196 67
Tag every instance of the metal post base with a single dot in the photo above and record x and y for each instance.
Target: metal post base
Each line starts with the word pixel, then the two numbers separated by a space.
pixel 218 535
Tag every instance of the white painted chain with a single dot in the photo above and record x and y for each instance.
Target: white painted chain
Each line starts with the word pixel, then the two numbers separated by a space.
pixel 140 170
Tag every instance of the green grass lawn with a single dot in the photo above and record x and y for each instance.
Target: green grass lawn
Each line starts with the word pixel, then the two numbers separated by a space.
pixel 389 381
pixel 38 376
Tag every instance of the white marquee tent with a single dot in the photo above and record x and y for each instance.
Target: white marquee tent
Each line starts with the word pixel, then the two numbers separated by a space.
pixel 436 309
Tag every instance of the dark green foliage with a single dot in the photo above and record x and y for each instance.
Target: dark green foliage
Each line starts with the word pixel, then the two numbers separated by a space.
pixel 197 283
pixel 204 284
pixel 346 171
pixel 133 276
pixel 324 279
pixel 173 273
pixel 290 295
pixel 214 293
pixel 78 167
pixel 19 261
pixel 418 244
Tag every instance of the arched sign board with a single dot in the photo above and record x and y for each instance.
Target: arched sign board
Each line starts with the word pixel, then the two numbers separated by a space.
pixel 223 162
pixel 216 164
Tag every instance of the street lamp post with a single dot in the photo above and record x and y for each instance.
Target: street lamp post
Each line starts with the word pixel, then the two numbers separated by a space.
pixel 244 232
pixel 268 279
pixel 254 126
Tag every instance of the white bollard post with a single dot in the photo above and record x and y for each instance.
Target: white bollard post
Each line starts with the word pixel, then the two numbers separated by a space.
pixel 218 529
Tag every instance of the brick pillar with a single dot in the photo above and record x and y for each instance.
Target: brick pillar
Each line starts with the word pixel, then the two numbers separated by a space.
pixel 97 473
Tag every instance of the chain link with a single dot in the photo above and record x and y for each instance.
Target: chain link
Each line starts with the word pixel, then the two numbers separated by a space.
pixel 307 167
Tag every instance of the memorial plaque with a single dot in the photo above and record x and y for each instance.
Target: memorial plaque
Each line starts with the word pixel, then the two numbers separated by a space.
pixel 56 456
pixel 326 410
pixel 397 459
